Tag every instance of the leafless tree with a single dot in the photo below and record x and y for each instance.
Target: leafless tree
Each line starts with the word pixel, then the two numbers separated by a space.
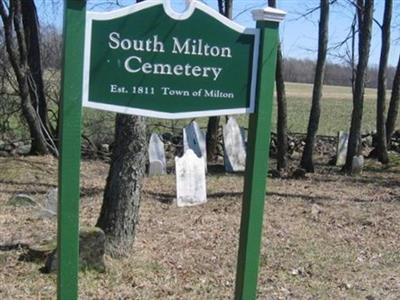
pixel 394 105
pixel 381 139
pixel 22 44
pixel 307 162
pixel 365 16
pixel 282 136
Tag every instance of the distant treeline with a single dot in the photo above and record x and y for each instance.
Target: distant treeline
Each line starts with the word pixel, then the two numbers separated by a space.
pixel 302 70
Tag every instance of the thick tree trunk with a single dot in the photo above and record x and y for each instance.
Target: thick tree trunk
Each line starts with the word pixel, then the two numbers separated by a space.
pixel 225 8
pixel 381 145
pixel 394 105
pixel 31 30
pixel 365 12
pixel 18 55
pixel 282 136
pixel 120 210
pixel 307 162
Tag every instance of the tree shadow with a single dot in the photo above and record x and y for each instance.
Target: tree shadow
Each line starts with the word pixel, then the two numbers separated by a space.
pixel 360 180
pixel 28 187
pixel 168 198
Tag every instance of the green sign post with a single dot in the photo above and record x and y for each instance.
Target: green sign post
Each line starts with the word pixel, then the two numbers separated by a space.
pixel 148 60
pixel 70 150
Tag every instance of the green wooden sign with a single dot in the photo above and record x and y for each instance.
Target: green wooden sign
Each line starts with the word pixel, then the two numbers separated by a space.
pixel 148 60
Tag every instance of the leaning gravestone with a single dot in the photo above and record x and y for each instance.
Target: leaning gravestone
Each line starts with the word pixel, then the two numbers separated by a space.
pixel 194 138
pixel 341 151
pixel 158 163
pixel 190 179
pixel 234 147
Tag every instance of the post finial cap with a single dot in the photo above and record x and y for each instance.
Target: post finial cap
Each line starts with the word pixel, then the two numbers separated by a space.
pixel 268 14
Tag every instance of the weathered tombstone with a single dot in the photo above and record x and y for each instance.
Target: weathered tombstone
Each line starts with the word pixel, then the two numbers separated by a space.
pixel 51 200
pixel 341 150
pixel 21 200
pixel 190 179
pixel 158 163
pixel 49 208
pixel 234 147
pixel 195 139
pixel 357 164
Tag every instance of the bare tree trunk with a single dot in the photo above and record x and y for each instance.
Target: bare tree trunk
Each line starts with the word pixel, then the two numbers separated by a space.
pixel 31 30
pixel 18 55
pixel 282 136
pixel 120 210
pixel 225 8
pixel 381 145
pixel 228 9
pixel 119 213
pixel 365 12
pixel 212 138
pixel 394 105
pixel 313 123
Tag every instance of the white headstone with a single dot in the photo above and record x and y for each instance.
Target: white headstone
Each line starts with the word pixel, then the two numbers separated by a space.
pixel 357 164
pixel 195 139
pixel 341 151
pixel 158 163
pixel 234 147
pixel 190 180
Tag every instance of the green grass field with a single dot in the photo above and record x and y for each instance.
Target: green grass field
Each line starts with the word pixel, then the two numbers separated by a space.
pixel 336 107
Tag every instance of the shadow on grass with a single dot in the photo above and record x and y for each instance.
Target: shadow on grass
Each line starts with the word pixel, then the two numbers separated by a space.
pixel 29 188
pixel 28 183
pixel 168 198
pixel 363 180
